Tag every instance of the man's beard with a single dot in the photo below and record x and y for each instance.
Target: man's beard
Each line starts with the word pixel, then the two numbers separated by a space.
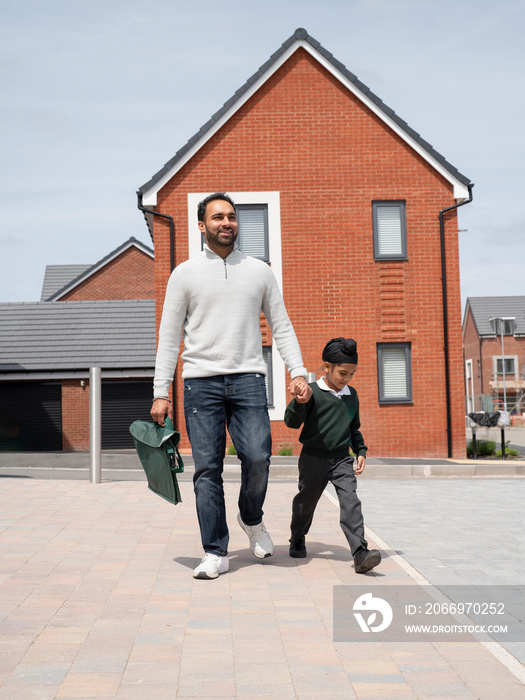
pixel 216 240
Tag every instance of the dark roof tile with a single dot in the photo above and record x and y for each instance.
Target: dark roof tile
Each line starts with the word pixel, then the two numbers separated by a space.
pixel 76 335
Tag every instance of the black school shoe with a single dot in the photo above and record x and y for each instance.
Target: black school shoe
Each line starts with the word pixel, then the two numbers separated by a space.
pixel 298 550
pixel 366 559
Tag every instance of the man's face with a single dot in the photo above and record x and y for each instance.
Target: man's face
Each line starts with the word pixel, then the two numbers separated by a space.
pixel 220 227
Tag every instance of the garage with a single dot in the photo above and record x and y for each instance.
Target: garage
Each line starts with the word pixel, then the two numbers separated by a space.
pixel 30 417
pixel 122 403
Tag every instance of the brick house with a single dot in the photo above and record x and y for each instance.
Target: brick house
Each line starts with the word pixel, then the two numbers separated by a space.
pixel 99 315
pixel 495 375
pixel 356 214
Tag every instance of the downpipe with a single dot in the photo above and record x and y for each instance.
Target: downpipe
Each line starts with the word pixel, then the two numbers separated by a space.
pixel 445 312
pixel 163 216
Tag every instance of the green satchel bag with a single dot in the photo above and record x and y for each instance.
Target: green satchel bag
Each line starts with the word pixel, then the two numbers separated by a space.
pixel 156 447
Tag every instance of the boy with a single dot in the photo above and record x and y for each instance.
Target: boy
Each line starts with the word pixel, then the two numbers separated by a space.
pixel 329 410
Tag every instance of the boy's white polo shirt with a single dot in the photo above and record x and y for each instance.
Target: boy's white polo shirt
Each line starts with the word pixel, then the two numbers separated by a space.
pixel 345 391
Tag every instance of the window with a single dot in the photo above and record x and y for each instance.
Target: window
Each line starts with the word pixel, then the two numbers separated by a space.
pixel 389 227
pixel 253 230
pixel 508 325
pixel 394 373
pixel 510 367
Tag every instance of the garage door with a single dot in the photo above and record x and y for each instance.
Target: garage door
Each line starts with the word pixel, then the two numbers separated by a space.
pixel 122 403
pixel 30 417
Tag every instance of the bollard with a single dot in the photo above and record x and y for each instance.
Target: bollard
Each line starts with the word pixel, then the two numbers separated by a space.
pixel 474 428
pixel 95 424
pixel 311 377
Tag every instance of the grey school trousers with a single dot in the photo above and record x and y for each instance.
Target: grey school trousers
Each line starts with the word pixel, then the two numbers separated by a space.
pixel 314 475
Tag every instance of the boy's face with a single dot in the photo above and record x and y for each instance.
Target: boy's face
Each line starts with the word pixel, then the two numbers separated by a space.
pixel 338 376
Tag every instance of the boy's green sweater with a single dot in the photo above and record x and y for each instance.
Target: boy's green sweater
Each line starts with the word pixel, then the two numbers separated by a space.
pixel 331 424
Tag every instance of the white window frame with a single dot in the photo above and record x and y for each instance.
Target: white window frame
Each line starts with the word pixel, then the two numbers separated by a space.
pixel 469 376
pixel 498 358
pixel 273 202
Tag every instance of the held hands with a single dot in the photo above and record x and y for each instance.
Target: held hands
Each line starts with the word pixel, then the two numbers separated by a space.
pixel 358 469
pixel 160 408
pixel 300 390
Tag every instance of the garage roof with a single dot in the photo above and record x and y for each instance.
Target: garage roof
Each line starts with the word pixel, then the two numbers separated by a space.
pixel 77 335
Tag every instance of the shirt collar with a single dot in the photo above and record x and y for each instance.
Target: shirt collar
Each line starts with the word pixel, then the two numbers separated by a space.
pixel 345 391
pixel 209 251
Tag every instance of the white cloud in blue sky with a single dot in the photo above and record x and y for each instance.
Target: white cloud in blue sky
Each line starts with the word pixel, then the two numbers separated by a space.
pixel 96 97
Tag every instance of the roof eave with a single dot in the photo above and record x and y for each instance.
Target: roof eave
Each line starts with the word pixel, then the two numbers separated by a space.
pixel 301 39
pixel 131 242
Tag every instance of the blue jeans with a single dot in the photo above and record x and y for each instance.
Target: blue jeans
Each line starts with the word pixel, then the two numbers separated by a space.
pixel 236 401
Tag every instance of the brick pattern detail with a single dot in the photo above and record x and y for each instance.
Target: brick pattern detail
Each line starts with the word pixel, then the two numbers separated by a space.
pixel 392 302
pixel 304 135
pixel 128 276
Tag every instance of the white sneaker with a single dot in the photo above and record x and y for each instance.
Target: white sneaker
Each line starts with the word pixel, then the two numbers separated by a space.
pixel 211 566
pixel 260 541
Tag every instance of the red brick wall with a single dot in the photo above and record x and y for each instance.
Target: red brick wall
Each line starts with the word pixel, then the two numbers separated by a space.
pixel 329 157
pixel 75 415
pixel 128 276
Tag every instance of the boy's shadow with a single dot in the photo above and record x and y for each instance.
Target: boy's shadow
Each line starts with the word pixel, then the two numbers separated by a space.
pixel 242 558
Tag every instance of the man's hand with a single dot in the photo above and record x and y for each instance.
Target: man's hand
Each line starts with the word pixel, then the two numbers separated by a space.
pixel 160 408
pixel 360 465
pixel 300 390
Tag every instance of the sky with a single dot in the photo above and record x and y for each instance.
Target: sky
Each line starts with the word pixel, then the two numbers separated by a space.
pixel 96 97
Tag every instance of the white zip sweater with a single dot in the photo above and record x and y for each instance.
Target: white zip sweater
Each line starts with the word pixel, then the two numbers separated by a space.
pixel 218 302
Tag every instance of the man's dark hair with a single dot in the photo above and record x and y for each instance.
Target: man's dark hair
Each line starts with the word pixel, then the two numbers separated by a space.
pixel 201 208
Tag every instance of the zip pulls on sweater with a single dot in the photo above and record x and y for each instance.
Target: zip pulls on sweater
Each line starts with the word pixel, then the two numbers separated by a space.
pixel 209 250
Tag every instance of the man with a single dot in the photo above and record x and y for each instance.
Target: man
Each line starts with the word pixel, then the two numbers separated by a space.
pixel 217 298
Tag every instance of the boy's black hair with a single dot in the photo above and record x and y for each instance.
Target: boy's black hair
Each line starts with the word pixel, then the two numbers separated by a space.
pixel 201 207
pixel 339 351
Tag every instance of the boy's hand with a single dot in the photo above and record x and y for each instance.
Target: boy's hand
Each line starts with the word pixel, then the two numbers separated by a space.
pixel 300 390
pixel 360 465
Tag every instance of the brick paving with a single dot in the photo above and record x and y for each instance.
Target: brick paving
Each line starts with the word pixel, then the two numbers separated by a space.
pixel 98 601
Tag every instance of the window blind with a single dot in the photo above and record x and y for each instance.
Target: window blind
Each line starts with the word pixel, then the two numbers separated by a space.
pixel 394 373
pixel 253 230
pixel 389 231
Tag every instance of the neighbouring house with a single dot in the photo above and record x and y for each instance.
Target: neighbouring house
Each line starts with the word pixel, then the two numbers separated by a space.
pixel 100 315
pixel 357 215
pixel 494 354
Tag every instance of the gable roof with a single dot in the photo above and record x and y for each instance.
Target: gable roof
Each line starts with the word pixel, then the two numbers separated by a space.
pixel 66 273
pixel 58 276
pixel 76 335
pixel 485 308
pixel 301 39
